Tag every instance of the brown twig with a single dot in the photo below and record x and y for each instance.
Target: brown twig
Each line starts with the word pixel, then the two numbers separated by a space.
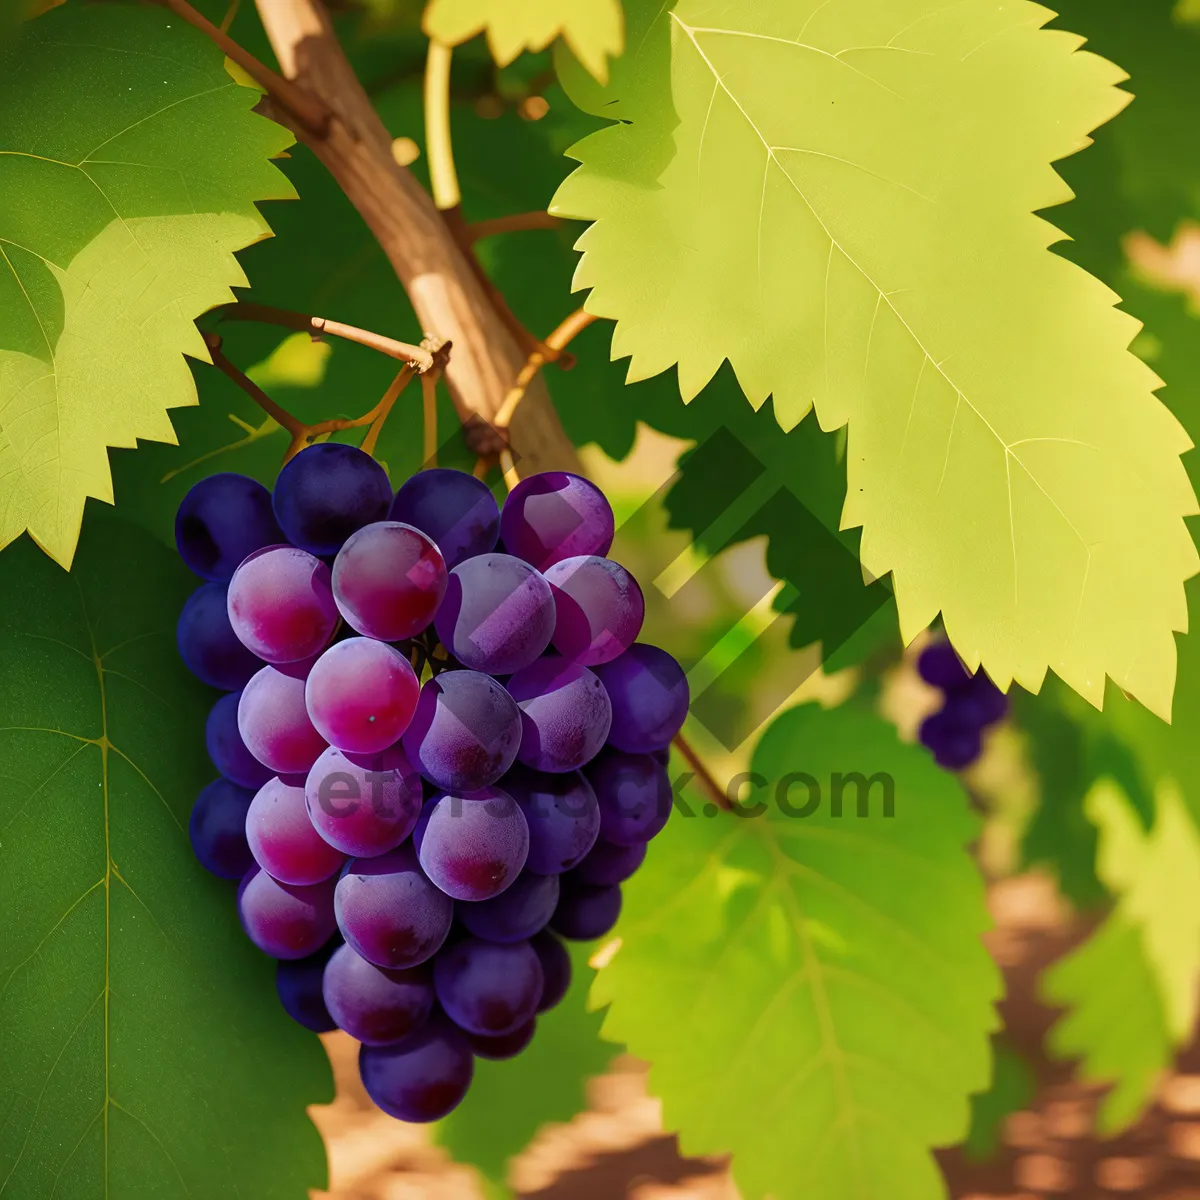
pixel 702 772
pixel 429 412
pixel 308 109
pixel 280 415
pixel 516 223
pixel 384 408
pixel 578 321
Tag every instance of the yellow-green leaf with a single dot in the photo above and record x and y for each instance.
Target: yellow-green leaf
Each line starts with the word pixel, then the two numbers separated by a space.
pixel 839 199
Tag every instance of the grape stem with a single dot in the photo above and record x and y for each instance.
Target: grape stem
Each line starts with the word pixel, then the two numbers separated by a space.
pixel 705 776
pixel 443 175
pixel 567 330
pixel 515 223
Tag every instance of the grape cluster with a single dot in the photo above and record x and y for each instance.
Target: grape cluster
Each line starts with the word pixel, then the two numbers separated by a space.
pixel 412 852
pixel 972 702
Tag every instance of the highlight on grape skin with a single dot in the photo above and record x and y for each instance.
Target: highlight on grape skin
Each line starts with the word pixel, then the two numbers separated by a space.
pixel 556 515
pixel 598 606
pixel 282 838
pixel 473 847
pixel 283 920
pixel 274 723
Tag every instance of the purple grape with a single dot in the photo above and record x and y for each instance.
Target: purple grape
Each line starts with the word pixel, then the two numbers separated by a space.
pixel 649 695
pixel 517 913
pixel 660 756
pixel 282 838
pixel 281 604
pixel 217 829
pixel 465 732
pixel 565 714
pixel 498 614
pixel 275 725
pixel 585 912
pixel 283 920
pixel 607 864
pixel 455 509
pixel 388 580
pixel 955 743
pixel 563 816
pixel 486 988
pixel 226 748
pixel 372 1004
pixel 508 1045
pixel 941 667
pixel 390 912
pixel 364 804
pixel 220 521
pixel 328 492
pixel 599 609
pixel 556 515
pixel 556 968
pixel 980 702
pixel 207 644
pixel 422 1078
pixel 634 793
pixel 299 984
pixel 472 847
pixel 361 695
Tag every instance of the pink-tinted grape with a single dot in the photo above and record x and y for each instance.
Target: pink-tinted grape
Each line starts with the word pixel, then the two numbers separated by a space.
pixel 455 509
pixel 390 912
pixel 517 913
pixel 472 847
pixel 422 1078
pixel 556 968
pixel 326 493
pixel 607 863
pixel 372 1004
pixel 283 920
pixel 388 580
pixel 226 748
pixel 498 614
pixel 361 695
pixel 282 838
pixel 649 695
pixel 586 912
pixel 364 804
pixel 555 515
pixel 599 608
pixel 562 813
pixel 465 732
pixel 275 725
pixel 207 644
pixel 487 988
pixel 565 714
pixel 634 792
pixel 222 519
pixel 281 604
pixel 507 1045
pixel 299 984
pixel 217 829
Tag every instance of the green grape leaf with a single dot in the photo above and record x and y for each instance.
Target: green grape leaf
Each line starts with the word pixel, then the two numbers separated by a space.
pixel 813 992
pixel 510 1101
pixel 839 200
pixel 146 1056
pixel 593 29
pixel 131 166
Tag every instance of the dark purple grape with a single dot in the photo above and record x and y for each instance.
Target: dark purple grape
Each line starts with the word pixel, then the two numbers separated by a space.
pixel 226 748
pixel 486 988
pixel 465 732
pixel 980 702
pixel 517 913
pixel 374 1005
pixel 472 847
pixel 563 816
pixel 207 644
pixel 328 492
pixel 565 714
pixel 556 968
pixel 649 695
pixel 586 912
pixel 217 828
pixel 634 794
pixel 422 1078
pixel 282 838
pixel 221 520
pixel 607 864
pixel 498 614
pixel 388 580
pixel 364 804
pixel 556 515
pixel 955 743
pixel 275 725
pixel 455 509
pixel 508 1045
pixel 299 984
pixel 940 666
pixel 389 911
pixel 599 609
pixel 661 756
pixel 283 920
